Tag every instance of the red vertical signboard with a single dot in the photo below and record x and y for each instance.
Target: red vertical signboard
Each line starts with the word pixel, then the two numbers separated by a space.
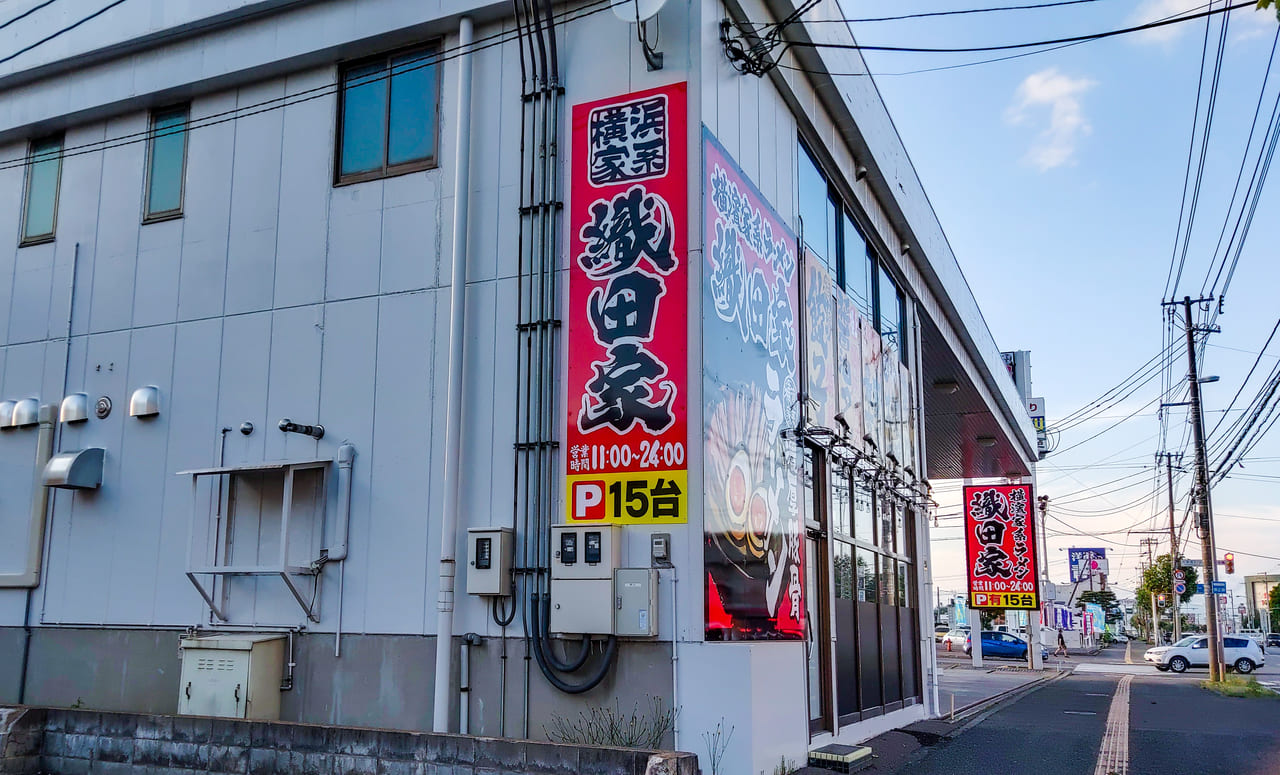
pixel 628 310
pixel 999 540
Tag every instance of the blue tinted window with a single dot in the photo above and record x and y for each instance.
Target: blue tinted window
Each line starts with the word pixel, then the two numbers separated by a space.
pixel 388 116
pixel 165 170
pixel 41 207
pixel 364 115
pixel 891 312
pixel 412 116
pixel 814 206
pixel 857 266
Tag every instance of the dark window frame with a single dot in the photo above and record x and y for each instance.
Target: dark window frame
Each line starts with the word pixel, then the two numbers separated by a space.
pixel 40 239
pixel 430 50
pixel 166 215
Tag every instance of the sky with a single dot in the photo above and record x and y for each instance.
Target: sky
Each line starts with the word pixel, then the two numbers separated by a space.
pixel 1058 179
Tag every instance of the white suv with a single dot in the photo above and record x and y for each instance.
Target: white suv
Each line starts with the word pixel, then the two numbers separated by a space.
pixel 1241 654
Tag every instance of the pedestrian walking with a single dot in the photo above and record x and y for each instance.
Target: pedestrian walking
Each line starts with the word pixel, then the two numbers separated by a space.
pixel 1062 647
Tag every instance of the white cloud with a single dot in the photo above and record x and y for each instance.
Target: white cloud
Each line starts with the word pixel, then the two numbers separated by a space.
pixel 1055 145
pixel 1154 10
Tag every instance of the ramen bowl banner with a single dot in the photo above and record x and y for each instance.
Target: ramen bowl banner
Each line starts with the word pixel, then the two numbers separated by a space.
pixel 628 311
pixel 1000 543
pixel 754 551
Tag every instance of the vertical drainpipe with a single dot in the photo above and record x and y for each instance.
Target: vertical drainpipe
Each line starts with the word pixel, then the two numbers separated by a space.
pixel 453 427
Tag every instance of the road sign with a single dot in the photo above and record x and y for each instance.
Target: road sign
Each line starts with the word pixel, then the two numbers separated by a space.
pixel 1199 589
pixel 1179 587
pixel 1219 587
pixel 1179 575
pixel 1191 562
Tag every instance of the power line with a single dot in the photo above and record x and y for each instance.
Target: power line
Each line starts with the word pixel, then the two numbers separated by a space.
pixel 316 92
pixel 28 12
pixel 950 13
pixel 62 31
pixel 1034 44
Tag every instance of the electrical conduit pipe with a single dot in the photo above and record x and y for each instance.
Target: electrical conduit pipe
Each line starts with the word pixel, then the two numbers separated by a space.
pixel 29 577
pixel 453 427
pixel 338 553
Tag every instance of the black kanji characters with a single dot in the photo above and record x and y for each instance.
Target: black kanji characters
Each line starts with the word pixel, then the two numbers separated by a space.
pixel 628 142
pixel 627 308
pixel 620 394
pixel 992 562
pixel 634 224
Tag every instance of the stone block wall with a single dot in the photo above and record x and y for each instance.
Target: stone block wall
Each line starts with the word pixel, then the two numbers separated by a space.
pixel 79 742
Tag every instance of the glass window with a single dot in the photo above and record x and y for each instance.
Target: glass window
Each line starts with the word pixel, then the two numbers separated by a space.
pixel 388 116
pixel 887 534
pixel 904 579
pixel 890 312
pixel 844 571
pixel 166 163
pixel 866 575
pixel 40 210
pixel 857 266
pixel 818 212
pixel 808 485
pixel 888 580
pixel 864 523
pixel 841 502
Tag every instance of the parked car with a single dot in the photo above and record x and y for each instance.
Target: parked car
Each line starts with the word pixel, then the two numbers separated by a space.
pixel 1273 639
pixel 1257 635
pixel 956 638
pixel 939 631
pixel 1001 644
pixel 1243 655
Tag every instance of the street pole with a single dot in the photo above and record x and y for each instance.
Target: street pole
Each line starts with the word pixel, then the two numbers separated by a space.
pixel 1173 548
pixel 1204 508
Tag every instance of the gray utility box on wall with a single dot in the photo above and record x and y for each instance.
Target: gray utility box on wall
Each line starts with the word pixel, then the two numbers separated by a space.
pixel 489 552
pixel 635 595
pixel 236 676
pixel 582 563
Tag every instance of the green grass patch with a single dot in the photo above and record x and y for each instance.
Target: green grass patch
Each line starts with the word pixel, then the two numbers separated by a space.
pixel 1238 686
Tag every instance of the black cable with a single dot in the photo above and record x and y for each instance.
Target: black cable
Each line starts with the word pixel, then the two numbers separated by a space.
pixel 544 662
pixel 315 92
pixel 28 12
pixel 1244 159
pixel 1013 46
pixel 62 31
pixel 951 13
pixel 1204 141
pixel 1247 377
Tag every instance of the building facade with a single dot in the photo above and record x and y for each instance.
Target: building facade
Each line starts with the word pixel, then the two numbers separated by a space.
pixel 298 296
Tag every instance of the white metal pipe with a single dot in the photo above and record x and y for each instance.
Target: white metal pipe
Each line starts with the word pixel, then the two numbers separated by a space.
pixel 346 457
pixel 29 576
pixel 464 689
pixel 453 427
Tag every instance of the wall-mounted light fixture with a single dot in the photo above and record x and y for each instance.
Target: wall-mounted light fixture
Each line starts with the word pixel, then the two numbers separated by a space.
pixel 945 386
pixel 986 441
pixel 859 172
pixel 6 414
pixel 75 408
pixel 26 413
pixel 145 402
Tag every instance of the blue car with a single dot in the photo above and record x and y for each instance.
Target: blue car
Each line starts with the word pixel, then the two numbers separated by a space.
pixel 1001 644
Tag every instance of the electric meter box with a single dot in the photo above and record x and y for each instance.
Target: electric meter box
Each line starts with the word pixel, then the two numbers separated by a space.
pixel 489 551
pixel 635 594
pixel 234 676
pixel 583 559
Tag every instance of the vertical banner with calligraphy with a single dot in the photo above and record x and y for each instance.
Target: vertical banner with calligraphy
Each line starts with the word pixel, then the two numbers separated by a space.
pixel 754 550
pixel 820 343
pixel 628 311
pixel 849 368
pixel 871 408
pixel 1000 545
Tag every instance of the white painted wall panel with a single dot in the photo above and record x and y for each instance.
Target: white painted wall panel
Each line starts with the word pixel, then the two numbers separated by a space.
pixel 255 201
pixel 32 284
pixel 191 416
pixel 206 211
pixel 242 388
pixel 141 483
pixel 411 246
pixel 306 172
pixel 155 293
pixel 293 389
pixel 399 535
pixel 355 240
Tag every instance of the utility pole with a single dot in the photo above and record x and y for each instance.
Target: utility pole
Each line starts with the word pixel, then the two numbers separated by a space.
pixel 1204 507
pixel 1155 612
pixel 1173 544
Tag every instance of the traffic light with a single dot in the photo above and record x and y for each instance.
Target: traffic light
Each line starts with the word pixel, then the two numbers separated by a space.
pixel 1229 559
pixel 1161 599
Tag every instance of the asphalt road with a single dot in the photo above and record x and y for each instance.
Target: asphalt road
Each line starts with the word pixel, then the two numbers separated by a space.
pixel 1175 727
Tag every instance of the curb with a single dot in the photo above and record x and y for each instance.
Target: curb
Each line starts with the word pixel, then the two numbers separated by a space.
pixel 989 703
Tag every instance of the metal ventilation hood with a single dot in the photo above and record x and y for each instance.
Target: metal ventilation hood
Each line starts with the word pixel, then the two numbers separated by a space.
pixel 75 470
